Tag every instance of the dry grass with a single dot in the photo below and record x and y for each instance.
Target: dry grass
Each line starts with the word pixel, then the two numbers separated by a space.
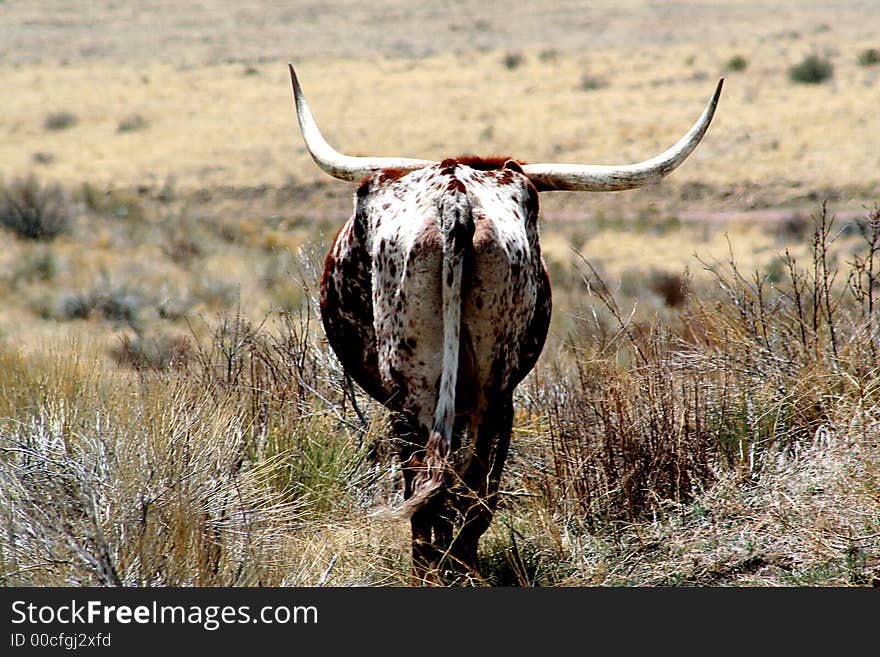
pixel 204 477
pixel 214 126
pixel 734 443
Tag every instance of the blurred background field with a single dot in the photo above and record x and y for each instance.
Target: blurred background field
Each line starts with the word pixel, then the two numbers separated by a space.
pixel 705 411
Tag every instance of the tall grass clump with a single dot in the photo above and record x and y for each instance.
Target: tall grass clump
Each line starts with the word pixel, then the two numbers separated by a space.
pixel 626 421
pixel 790 354
pixel 731 439
pixel 646 413
pixel 250 461
pixel 33 210
pixel 276 380
pixel 154 498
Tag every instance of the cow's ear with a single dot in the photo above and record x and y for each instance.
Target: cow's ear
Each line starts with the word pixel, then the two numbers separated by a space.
pixel 514 165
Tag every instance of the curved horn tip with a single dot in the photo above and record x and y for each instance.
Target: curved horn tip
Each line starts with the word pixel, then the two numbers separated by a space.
pixel 292 75
pixel 717 93
pixel 713 102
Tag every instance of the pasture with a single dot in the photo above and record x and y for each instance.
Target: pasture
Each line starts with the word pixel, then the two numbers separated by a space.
pixel 706 411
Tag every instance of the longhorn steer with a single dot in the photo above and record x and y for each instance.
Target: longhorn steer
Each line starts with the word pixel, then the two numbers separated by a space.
pixel 436 300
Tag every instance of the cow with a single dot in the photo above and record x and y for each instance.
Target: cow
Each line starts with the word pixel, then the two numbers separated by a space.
pixel 436 300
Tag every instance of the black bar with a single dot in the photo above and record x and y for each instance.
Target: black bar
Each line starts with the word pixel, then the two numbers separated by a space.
pixel 398 620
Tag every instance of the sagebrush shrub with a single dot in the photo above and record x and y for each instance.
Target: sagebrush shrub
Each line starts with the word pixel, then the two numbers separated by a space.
pixel 34 211
pixel 811 70
pixel 60 121
pixel 869 57
pixel 737 63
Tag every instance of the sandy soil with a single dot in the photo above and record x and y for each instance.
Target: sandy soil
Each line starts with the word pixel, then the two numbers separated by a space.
pixel 210 31
pixel 427 80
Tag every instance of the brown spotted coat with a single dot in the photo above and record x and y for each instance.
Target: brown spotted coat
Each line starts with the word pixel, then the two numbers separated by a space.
pixel 466 229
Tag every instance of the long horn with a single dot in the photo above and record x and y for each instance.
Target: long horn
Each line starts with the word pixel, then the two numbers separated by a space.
pixel 600 178
pixel 339 165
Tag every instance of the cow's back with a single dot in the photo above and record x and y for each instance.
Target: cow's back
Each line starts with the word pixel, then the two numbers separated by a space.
pixel 392 249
